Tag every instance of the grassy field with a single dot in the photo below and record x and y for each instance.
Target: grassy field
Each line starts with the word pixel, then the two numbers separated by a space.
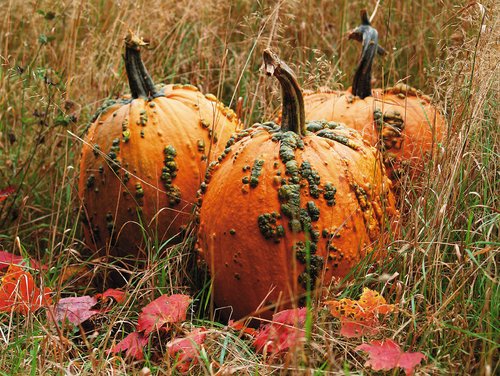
pixel 60 59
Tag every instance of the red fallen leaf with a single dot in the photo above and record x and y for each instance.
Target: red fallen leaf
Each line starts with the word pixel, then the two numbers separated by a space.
pixel 133 344
pixel 76 309
pixel 239 326
pixel 6 192
pixel 360 317
pixel 164 310
pixel 118 295
pixel 186 349
pixel 7 258
pixel 284 332
pixel 386 355
pixel 18 292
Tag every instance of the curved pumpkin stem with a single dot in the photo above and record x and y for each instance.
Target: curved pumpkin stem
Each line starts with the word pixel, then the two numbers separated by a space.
pixel 368 36
pixel 139 80
pixel 293 116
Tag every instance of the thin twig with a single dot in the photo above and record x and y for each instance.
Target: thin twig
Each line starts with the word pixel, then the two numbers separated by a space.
pixel 374 11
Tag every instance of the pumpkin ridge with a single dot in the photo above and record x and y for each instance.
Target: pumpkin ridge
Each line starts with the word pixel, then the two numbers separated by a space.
pixel 349 176
pixel 185 133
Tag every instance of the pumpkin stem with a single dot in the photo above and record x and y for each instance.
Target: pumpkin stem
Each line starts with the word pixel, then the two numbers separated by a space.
pixel 139 80
pixel 368 36
pixel 292 113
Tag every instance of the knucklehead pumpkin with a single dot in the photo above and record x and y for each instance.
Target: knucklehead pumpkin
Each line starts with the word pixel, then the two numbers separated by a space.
pixel 289 207
pixel 399 120
pixel 144 158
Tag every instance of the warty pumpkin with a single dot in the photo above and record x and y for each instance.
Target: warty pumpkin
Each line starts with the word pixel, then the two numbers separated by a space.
pixel 289 207
pixel 144 158
pixel 399 120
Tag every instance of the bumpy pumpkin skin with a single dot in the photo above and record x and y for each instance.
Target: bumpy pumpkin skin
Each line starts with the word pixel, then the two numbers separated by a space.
pixel 399 121
pixel 142 163
pixel 275 190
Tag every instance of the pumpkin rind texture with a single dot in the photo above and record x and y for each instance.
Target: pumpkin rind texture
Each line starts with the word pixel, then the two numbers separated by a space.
pixel 142 163
pixel 283 213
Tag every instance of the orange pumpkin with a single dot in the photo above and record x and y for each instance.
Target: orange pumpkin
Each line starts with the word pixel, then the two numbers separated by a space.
pixel 290 207
pixel 144 158
pixel 399 120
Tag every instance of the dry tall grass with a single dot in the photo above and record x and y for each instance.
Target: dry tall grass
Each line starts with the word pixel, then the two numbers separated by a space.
pixel 60 59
